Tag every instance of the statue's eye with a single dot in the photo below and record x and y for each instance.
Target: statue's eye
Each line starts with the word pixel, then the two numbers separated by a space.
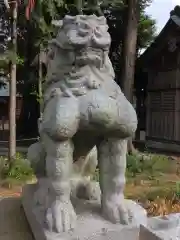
pixel 84 25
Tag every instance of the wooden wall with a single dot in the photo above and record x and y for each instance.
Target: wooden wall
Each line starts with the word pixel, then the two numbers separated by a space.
pixel 163 98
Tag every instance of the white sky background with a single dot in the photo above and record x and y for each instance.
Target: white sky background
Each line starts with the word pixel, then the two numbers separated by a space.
pixel 160 10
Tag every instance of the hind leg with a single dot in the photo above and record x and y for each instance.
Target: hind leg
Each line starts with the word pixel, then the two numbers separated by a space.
pixel 85 169
pixel 112 164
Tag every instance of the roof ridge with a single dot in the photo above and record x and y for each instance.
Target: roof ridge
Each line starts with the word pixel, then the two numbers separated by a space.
pixel 175 15
pixel 175 11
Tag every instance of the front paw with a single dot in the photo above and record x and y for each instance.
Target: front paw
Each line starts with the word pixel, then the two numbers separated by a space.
pixel 61 217
pixel 116 212
pixel 124 212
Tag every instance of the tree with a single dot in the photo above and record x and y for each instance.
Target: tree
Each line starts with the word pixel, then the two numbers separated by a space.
pixel 12 103
pixel 116 16
pixel 146 31
pixel 129 53
pixel 4 37
pixel 135 14
pixel 129 48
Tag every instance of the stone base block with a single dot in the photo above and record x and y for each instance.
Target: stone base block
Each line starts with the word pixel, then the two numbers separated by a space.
pixel 90 225
pixel 161 228
pixel 146 234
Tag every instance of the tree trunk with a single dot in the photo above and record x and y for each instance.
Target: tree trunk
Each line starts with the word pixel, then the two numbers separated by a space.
pixel 40 81
pixel 12 104
pixel 129 54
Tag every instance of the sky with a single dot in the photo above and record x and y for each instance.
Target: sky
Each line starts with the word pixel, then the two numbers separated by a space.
pixel 160 10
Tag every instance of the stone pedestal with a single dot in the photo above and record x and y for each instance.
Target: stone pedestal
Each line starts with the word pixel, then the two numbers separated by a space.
pixel 90 224
pixel 146 234
pixel 161 228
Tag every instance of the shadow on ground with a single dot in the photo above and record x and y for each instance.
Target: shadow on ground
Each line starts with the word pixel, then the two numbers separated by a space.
pixel 13 223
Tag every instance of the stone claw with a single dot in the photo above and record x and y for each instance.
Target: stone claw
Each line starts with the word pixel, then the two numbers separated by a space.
pixel 61 217
pixel 124 212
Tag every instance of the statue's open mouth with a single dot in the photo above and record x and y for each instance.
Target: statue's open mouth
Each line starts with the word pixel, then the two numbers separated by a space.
pixel 90 55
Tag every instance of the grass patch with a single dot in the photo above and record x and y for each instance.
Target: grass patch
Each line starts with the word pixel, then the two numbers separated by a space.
pixel 154 180
pixel 16 173
pixel 147 164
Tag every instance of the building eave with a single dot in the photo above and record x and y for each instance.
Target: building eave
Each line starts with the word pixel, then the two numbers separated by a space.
pixel 160 40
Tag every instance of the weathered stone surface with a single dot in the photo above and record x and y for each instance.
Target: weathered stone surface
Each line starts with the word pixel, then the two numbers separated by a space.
pixel 146 234
pixel 86 119
pixel 164 222
pixel 162 228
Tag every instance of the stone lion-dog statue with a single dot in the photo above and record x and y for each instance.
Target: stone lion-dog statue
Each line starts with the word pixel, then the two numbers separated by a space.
pixel 86 117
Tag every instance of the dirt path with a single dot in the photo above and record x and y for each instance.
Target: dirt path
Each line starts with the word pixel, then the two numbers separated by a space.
pixel 15 192
pixel 13 224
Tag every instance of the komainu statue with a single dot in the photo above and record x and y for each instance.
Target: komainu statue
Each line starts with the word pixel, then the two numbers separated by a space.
pixel 86 117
